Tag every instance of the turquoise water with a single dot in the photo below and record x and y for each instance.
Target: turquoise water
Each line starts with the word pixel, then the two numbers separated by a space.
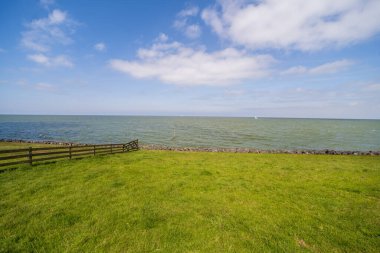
pixel 262 133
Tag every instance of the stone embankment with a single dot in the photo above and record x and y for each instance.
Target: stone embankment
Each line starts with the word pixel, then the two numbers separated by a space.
pixel 43 142
pixel 259 151
pixel 227 150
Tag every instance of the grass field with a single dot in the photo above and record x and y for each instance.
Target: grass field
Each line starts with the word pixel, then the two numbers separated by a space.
pixel 162 201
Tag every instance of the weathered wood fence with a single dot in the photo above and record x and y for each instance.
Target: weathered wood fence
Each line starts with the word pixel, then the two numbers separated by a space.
pixel 32 155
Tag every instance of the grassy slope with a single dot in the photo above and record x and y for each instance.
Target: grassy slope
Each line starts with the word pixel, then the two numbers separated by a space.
pixel 207 202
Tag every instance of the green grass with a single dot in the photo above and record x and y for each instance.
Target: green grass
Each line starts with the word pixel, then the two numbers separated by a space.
pixel 160 201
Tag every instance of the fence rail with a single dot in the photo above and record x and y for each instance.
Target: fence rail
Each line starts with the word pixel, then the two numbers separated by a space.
pixel 31 155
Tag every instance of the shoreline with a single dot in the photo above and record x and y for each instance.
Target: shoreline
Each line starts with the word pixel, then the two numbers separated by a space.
pixel 220 150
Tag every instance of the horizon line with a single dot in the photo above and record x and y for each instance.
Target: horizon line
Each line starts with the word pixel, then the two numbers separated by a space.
pixel 200 116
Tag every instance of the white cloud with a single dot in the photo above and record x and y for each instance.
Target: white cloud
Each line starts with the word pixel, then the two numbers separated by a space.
pixel 39 58
pixel 295 70
pixel 191 11
pixel 294 24
pixel 331 67
pixel 327 68
pixel 176 64
pixel 58 61
pixel 183 24
pixel 100 46
pixel 57 17
pixel 193 31
pixel 162 37
pixel 42 33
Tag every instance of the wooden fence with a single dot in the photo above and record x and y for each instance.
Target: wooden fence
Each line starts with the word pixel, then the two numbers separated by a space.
pixel 32 155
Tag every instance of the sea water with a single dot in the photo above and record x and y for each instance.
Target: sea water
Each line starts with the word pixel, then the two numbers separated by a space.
pixel 228 132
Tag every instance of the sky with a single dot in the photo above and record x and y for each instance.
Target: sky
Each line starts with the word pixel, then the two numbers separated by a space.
pixel 241 58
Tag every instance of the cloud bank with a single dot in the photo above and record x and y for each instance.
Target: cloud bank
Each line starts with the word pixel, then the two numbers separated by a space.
pixel 294 24
pixel 251 26
pixel 177 64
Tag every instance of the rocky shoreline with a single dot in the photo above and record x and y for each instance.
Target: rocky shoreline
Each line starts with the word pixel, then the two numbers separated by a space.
pixel 259 151
pixel 43 142
pixel 226 150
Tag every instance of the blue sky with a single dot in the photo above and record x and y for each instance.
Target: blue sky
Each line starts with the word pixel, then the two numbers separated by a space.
pixel 269 58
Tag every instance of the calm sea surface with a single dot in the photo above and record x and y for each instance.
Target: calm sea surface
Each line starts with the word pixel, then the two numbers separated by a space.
pixel 262 133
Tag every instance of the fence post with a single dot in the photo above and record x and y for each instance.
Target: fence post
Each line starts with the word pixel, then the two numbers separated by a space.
pixel 30 156
pixel 111 148
pixel 70 150
pixel 123 147
pixel 94 149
